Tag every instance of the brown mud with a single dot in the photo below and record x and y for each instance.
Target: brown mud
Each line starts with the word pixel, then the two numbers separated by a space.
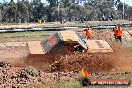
pixel 119 60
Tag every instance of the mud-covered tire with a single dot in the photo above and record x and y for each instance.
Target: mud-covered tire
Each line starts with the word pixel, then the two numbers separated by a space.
pixel 85 82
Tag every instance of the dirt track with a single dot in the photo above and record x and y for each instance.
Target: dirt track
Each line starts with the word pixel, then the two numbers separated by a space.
pixel 72 62
pixel 120 60
pixel 116 65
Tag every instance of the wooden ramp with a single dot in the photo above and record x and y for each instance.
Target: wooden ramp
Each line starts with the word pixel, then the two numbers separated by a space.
pixel 69 36
pixel 35 47
pixel 98 46
pixel 127 35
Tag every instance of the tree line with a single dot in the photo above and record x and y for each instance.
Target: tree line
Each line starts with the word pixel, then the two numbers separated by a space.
pixel 57 10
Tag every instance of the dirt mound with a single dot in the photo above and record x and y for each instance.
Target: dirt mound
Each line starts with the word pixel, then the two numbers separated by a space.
pixel 40 62
pixel 92 62
pixel 15 77
pixel 73 62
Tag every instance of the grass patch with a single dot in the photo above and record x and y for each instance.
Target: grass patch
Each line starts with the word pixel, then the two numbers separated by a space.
pixel 9 37
pixel 128 44
pixel 26 34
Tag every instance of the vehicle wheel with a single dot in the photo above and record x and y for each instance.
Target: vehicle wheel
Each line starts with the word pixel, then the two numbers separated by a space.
pixel 85 82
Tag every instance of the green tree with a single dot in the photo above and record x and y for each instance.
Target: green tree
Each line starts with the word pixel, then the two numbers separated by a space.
pixel 129 11
pixel 22 11
pixel 51 9
pixel 11 12
pixel 38 12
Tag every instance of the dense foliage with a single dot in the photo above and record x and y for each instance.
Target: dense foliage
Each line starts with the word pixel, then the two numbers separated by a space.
pixel 57 10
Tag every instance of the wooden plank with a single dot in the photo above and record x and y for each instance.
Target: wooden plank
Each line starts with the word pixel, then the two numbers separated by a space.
pixel 98 46
pixel 130 31
pixel 35 47
pixel 127 35
pixel 68 36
